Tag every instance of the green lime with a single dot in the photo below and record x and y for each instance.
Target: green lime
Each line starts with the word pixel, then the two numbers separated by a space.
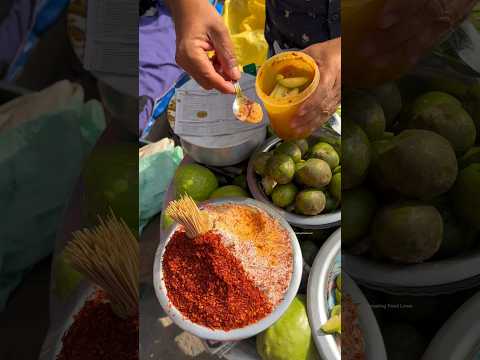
pixel 335 186
pixel 284 195
pixel 260 162
pixel 325 152
pixel 228 191
pixel 291 149
pixel 195 180
pixel 281 168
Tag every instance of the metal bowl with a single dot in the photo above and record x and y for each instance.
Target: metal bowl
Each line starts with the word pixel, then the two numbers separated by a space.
pixel 429 278
pixel 223 150
pixel 236 334
pixel 321 221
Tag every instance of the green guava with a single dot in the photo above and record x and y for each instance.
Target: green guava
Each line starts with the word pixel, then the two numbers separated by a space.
pixel 290 338
pixel 466 195
pixel 389 97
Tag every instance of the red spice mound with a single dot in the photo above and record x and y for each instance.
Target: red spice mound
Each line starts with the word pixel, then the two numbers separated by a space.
pixel 97 333
pixel 208 285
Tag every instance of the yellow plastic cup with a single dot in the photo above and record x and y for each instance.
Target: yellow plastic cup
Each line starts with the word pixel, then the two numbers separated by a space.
pixel 281 111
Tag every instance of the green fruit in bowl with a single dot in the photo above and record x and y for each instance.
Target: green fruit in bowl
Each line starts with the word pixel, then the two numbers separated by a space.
pixel 229 191
pixel 466 195
pixel 303 145
pixel 363 109
pixel 284 195
pixel 407 232
pixel 310 202
pixel 325 152
pixel 335 186
pixel 389 97
pixel 356 155
pixel 331 203
pixel 445 116
pixel 268 184
pixel 281 168
pixel 196 181
pixel 358 210
pixel 290 338
pixel 260 162
pixel 314 173
pixel 470 157
pixel 291 149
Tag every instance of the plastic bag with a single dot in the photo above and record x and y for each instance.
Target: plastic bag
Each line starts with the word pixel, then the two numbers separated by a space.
pixel 245 20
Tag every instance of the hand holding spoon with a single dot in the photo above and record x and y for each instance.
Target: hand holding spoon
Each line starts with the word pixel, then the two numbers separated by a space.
pixel 244 108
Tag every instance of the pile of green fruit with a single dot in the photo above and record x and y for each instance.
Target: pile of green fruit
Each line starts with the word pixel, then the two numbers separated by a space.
pixel 302 176
pixel 411 169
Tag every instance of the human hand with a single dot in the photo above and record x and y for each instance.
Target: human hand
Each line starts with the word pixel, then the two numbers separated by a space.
pixel 408 29
pixel 199 29
pixel 318 108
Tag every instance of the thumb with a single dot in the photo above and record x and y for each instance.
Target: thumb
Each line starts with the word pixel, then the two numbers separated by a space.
pixel 223 46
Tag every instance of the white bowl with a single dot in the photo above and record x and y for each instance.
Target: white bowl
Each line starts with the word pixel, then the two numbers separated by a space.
pixel 324 272
pixel 235 334
pixel 459 338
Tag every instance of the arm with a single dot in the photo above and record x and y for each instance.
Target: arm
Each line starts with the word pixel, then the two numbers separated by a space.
pixel 199 29
pixel 324 102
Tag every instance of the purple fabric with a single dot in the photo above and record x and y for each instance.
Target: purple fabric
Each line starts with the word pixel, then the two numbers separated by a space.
pixel 158 70
pixel 14 29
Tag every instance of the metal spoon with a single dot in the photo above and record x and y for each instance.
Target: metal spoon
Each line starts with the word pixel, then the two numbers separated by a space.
pixel 244 108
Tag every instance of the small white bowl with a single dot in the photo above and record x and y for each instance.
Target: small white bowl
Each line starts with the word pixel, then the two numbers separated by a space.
pixel 235 334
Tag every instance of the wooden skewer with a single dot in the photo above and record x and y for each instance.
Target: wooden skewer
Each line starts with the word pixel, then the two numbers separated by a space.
pixel 186 212
pixel 108 255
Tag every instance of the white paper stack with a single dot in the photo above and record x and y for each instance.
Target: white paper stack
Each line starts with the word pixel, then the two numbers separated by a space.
pixel 112 37
pixel 201 113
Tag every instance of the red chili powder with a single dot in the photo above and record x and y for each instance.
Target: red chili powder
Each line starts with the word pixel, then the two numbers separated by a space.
pixel 97 333
pixel 208 284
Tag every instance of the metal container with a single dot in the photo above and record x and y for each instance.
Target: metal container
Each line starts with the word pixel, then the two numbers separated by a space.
pixel 223 150
pixel 459 338
pixel 320 303
pixel 236 334
pixel 430 278
pixel 321 221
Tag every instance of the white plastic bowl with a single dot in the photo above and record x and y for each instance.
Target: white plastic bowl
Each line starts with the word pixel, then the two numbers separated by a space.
pixel 459 338
pixel 235 334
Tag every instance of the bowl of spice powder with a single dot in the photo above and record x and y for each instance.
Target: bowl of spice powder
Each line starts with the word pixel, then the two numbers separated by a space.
pixel 233 281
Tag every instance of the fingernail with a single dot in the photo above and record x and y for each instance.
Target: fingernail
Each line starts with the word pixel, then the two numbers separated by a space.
pixel 387 20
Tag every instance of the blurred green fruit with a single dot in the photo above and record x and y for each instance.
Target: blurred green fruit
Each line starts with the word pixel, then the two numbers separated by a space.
pixel 229 191
pixel 290 338
pixel 407 232
pixel 260 162
pixel 281 168
pixel 310 202
pixel 325 152
pixel 291 149
pixel 284 195
pixel 356 155
pixel 196 181
pixel 358 209
pixel 466 195
pixel 314 173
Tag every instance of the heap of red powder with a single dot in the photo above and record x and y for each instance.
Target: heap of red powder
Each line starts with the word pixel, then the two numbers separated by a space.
pixel 97 333
pixel 208 284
